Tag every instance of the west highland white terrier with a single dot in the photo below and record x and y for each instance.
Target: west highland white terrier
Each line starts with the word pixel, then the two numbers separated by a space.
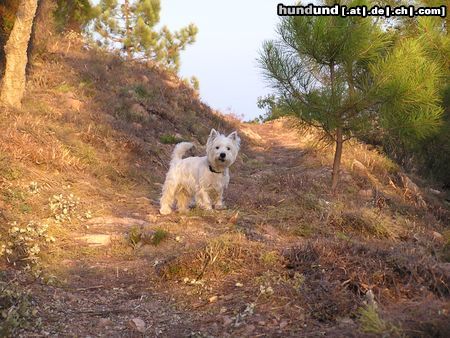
pixel 200 178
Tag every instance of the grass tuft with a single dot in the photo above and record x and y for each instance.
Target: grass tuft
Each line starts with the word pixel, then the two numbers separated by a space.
pixel 138 236
pixel 446 248
pixel 159 236
pixel 368 223
pixel 169 139
pixel 270 258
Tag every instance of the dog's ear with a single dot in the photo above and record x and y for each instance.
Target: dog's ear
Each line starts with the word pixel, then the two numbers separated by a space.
pixel 213 134
pixel 234 136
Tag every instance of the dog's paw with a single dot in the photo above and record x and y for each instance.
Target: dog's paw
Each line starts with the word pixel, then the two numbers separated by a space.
pixel 183 210
pixel 165 211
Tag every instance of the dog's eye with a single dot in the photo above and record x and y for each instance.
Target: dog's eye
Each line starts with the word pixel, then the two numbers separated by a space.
pixel 228 148
pixel 217 147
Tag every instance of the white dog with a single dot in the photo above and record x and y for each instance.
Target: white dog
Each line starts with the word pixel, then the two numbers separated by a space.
pixel 202 178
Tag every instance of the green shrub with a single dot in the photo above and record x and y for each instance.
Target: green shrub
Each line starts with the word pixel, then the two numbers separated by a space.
pixel 23 244
pixel 16 308
pixel 63 207
pixel 371 322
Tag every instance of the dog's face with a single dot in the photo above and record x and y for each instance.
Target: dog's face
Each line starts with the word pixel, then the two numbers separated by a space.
pixel 222 150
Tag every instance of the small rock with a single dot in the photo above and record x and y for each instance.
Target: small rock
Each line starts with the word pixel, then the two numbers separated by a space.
pixel 96 239
pixel 74 104
pixel 227 320
pixel 71 297
pixel 239 285
pixel 137 324
pixel 137 126
pixel 227 297
pixel 103 322
pixel 437 236
pixel 213 299
pixel 144 79
pixel 370 299
pixel 140 111
pixel 435 192
pixel 346 321
pixel 366 193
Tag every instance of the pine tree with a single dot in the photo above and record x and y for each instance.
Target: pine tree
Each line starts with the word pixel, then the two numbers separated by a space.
pixel 339 74
pixel 431 155
pixel 73 14
pixel 129 28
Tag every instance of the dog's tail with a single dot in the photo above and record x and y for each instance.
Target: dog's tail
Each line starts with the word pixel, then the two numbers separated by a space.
pixel 180 149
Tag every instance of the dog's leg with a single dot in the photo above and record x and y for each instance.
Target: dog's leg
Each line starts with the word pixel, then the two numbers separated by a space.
pixel 183 199
pixel 203 199
pixel 167 198
pixel 218 204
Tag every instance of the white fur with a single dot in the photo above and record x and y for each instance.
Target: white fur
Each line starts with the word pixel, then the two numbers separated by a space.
pixel 191 178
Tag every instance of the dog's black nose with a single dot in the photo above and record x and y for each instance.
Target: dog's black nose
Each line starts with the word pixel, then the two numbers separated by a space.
pixel 222 155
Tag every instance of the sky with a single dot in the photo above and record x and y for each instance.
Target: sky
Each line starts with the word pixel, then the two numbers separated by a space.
pixel 224 55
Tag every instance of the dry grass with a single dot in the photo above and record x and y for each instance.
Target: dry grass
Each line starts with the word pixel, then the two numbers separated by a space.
pixel 369 223
pixel 351 269
pixel 287 251
pixel 220 256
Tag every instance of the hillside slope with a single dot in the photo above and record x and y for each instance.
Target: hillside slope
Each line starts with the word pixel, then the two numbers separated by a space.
pixel 87 156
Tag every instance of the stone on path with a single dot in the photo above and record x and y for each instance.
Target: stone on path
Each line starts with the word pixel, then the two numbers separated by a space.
pixel 96 239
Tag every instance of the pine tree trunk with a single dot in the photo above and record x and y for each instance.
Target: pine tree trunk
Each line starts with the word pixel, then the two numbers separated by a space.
pixel 127 28
pixel 13 86
pixel 337 159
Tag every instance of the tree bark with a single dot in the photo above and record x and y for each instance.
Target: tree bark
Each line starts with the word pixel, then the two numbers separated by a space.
pixel 13 86
pixel 127 28
pixel 337 159
pixel 339 137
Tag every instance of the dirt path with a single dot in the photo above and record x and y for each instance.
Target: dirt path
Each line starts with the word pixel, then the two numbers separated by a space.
pixel 101 292
pixel 109 289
